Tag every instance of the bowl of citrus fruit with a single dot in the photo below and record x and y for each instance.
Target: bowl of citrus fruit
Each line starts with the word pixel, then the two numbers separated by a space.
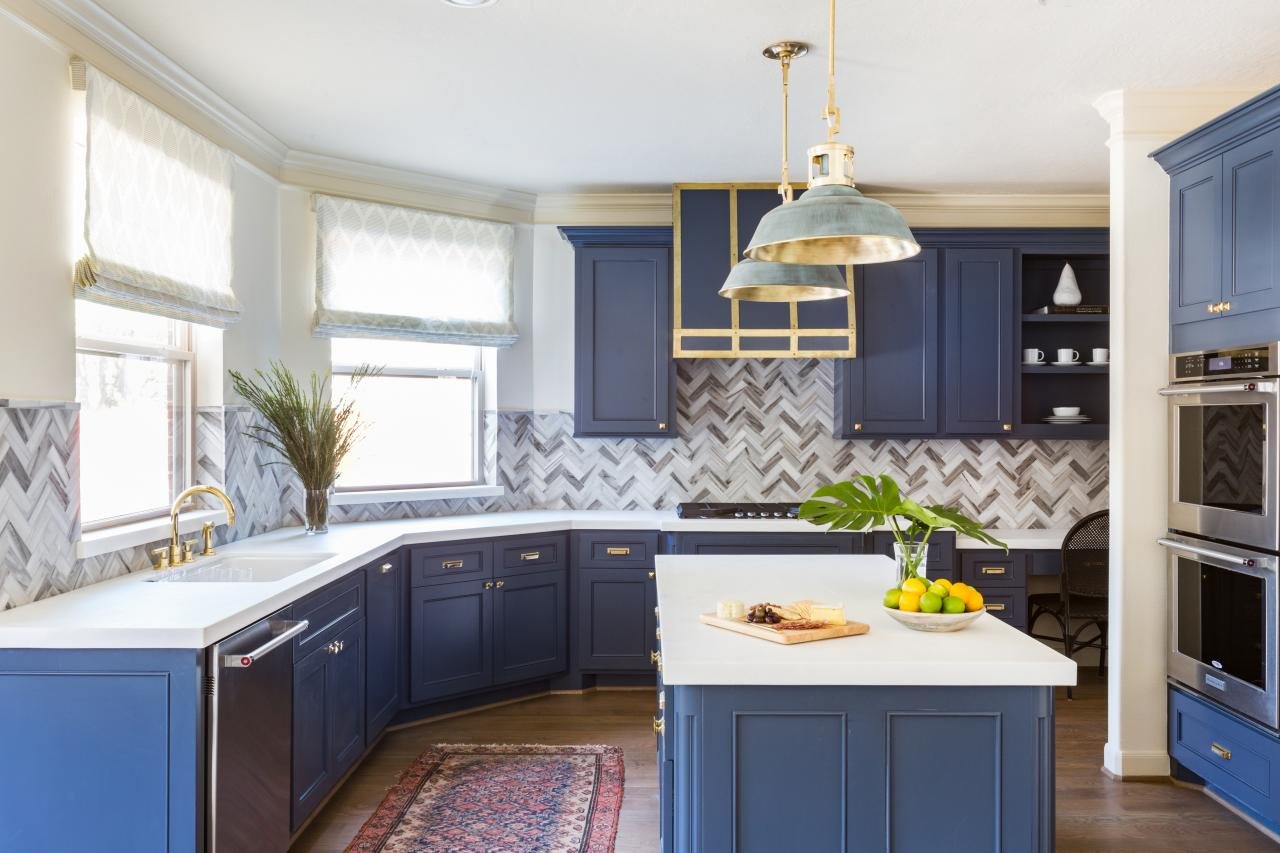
pixel 924 605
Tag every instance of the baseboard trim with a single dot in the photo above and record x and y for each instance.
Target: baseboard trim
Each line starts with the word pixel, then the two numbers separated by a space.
pixel 1124 765
pixel 464 711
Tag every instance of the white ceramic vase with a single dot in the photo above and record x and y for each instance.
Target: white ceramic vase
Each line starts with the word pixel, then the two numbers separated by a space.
pixel 1068 290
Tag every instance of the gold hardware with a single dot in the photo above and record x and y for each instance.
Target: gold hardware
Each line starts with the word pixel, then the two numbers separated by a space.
pixel 655 613
pixel 336 647
pixel 657 634
pixel 995 607
pixel 189 551
pixel 1226 306
pixel 618 552
pixel 531 555
pixel 662 699
pixel 857 427
pixel 386 568
pixel 175 547
pixel 655 657
pixel 1007 427
pixel 206 534
pixel 451 564
pixel 652 575
pixel 659 725
pixel 662 424
pixel 162 557
pixel 488 584
pixel 993 570
pixel 500 584
pixel 1210 307
pixel 1220 751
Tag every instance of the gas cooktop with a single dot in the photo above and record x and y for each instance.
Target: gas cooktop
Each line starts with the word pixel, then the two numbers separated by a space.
pixel 738 510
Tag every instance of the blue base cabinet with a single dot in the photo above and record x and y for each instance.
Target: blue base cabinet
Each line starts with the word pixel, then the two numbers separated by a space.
pixel 451 645
pixel 615 619
pixel 530 625
pixel 385 640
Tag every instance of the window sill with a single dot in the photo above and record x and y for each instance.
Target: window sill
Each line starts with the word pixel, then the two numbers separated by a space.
pixel 108 539
pixel 438 493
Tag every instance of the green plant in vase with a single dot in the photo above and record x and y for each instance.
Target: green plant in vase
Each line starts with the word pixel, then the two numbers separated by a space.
pixel 306 426
pixel 868 502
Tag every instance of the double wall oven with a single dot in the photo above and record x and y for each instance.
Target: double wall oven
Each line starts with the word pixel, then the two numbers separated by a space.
pixel 1224 526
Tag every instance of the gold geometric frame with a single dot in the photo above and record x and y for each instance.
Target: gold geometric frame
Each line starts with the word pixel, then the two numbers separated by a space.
pixel 734 331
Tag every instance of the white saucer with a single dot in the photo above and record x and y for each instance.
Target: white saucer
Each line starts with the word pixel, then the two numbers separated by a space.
pixel 1098 363
pixel 1035 363
pixel 1065 363
pixel 1079 419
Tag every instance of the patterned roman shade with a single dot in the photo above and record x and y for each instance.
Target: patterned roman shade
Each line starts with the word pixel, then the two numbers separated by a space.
pixel 157 218
pixel 384 271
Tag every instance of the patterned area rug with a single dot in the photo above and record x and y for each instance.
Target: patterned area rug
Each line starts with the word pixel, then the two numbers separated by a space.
pixel 520 798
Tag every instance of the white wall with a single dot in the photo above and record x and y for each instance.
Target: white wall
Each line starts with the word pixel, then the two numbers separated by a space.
pixel 537 373
pixel 255 340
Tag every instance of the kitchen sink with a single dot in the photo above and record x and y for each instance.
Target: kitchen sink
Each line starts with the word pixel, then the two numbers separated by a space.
pixel 241 568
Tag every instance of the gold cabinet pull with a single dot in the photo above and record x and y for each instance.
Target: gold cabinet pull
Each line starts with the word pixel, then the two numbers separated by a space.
pixel 1226 306
pixel 618 551
pixel 659 725
pixel 662 424
pixel 654 657
pixel 336 647
pixel 451 564
pixel 652 575
pixel 500 584
pixel 1212 308
pixel 997 608
pixel 657 634
pixel 662 699
pixel 385 568
pixel 993 570
pixel 531 555
pixel 488 584
pixel 857 427
pixel 1220 751
pixel 1007 427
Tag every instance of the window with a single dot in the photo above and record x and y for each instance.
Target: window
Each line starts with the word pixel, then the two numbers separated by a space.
pixel 133 383
pixel 421 414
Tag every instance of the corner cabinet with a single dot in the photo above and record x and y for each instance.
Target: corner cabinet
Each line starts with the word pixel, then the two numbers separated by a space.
pixel 624 372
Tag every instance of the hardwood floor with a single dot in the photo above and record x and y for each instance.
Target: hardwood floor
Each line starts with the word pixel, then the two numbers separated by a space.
pixel 1095 813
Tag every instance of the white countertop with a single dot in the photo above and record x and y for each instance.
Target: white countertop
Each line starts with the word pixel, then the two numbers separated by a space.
pixel 987 653
pixel 130 612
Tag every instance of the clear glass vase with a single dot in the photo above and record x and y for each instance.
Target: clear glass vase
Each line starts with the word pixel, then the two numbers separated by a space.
pixel 315 507
pixel 910 559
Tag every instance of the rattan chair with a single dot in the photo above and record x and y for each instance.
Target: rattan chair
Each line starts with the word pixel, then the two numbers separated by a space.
pixel 1083 597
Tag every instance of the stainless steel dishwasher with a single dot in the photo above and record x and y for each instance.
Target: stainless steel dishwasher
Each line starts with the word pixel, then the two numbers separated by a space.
pixel 250 717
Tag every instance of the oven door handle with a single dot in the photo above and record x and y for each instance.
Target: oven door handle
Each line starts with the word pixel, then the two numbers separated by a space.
pixel 1234 388
pixel 1175 545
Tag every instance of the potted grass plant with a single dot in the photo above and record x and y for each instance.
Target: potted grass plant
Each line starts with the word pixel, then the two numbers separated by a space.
pixel 868 502
pixel 310 430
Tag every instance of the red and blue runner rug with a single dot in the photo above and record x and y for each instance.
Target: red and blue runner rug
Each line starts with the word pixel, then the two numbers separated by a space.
pixel 500 797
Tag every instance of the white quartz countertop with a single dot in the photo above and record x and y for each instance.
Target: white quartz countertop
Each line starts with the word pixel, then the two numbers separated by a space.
pixel 131 612
pixel 987 653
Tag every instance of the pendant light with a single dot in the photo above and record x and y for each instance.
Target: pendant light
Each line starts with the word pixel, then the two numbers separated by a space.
pixel 770 281
pixel 832 223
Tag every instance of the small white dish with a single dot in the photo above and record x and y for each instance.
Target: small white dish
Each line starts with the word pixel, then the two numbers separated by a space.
pixel 1098 363
pixel 1066 411
pixel 939 623
pixel 1066 364
pixel 1066 421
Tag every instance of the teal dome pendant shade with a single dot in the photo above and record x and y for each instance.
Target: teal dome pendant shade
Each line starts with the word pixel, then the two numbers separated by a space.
pixel 766 281
pixel 833 224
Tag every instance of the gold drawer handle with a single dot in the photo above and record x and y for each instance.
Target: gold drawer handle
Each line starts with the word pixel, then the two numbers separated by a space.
pixel 488 584
pixel 1220 751
pixel 655 657
pixel 659 725
pixel 451 564
pixel 500 584
pixel 652 575
pixel 531 555
pixel 993 570
pixel 618 552
pixel 996 607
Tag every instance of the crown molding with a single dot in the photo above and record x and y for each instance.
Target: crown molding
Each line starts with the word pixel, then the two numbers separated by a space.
pixel 1164 112
pixel 640 208
pixel 102 28
pixel 1001 210
pixel 403 186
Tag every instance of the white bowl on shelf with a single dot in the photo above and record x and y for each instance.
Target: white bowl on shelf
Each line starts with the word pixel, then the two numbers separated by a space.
pixel 1066 411
pixel 936 623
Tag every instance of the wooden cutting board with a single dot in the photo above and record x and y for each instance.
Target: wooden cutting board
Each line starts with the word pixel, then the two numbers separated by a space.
pixel 787 638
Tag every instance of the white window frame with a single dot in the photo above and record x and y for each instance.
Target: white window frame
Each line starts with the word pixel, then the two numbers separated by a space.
pixel 477 376
pixel 181 353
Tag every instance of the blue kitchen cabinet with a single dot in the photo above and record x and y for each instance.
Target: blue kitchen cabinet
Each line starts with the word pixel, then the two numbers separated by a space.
pixel 615 619
pixel 891 388
pixel 1251 225
pixel 1195 262
pixel 729 542
pixel 328 718
pixel 978 345
pixel 530 624
pixel 624 372
pixel 451 639
pixel 385 641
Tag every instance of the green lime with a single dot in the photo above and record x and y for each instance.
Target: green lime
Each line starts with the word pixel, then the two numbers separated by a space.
pixel 930 603
pixel 953 604
pixel 938 590
pixel 891 598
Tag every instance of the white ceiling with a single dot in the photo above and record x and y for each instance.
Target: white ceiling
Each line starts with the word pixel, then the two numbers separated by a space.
pixel 571 95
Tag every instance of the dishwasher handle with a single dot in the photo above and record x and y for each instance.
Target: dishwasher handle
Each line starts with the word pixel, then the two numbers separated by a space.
pixel 292 629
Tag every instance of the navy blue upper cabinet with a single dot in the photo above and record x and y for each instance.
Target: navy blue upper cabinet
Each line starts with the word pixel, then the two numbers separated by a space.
pixel 451 639
pixel 1195 265
pixel 979 351
pixel 1251 225
pixel 891 388
pixel 530 623
pixel 385 641
pixel 624 373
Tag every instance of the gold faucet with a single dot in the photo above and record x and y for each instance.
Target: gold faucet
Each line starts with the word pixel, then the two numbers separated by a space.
pixel 175 552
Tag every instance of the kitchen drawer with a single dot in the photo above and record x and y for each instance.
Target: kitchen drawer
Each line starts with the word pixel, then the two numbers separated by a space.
pixel 330 610
pixel 1234 757
pixel 988 569
pixel 1007 605
pixel 452 563
pixel 623 549
pixel 531 554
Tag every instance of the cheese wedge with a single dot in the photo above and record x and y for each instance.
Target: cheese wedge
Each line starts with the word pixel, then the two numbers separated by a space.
pixel 832 614
pixel 731 608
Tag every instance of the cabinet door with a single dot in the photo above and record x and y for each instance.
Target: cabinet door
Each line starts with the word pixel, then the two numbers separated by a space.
pixel 313 771
pixel 451 639
pixel 346 699
pixel 384 642
pixel 530 626
pixel 891 388
pixel 1251 225
pixel 624 370
pixel 979 342
pixel 615 619
pixel 1195 241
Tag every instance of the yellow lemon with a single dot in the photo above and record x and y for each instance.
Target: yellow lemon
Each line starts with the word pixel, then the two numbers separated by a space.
pixel 945 582
pixel 914 585
pixel 910 602
pixel 960 589
pixel 973 601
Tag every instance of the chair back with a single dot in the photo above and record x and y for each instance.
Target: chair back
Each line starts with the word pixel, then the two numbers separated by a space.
pixel 1085 556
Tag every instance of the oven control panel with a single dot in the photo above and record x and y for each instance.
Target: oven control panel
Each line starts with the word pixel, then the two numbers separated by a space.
pixel 1213 364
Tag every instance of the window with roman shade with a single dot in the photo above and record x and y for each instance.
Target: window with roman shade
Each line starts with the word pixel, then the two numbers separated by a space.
pixel 157 209
pixel 384 271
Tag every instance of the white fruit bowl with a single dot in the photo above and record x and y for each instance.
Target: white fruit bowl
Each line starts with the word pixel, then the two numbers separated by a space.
pixel 938 623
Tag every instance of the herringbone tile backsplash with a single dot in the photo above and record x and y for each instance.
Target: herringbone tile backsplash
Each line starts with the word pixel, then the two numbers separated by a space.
pixel 749 430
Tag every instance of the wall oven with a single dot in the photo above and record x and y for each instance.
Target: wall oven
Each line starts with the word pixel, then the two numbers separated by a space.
pixel 1224 463
pixel 1222 625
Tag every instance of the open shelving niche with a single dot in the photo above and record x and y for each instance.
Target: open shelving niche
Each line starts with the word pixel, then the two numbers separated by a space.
pixel 1043 387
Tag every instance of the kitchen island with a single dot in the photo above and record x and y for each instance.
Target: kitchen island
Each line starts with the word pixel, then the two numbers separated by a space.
pixel 895 739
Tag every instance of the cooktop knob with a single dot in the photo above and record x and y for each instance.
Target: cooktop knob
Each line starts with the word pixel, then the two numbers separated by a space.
pixel 738 514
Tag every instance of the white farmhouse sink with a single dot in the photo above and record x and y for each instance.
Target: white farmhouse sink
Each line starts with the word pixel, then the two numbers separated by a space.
pixel 241 568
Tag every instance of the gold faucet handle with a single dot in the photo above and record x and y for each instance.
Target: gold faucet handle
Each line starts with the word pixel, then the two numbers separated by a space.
pixel 206 533
pixel 189 551
pixel 161 556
